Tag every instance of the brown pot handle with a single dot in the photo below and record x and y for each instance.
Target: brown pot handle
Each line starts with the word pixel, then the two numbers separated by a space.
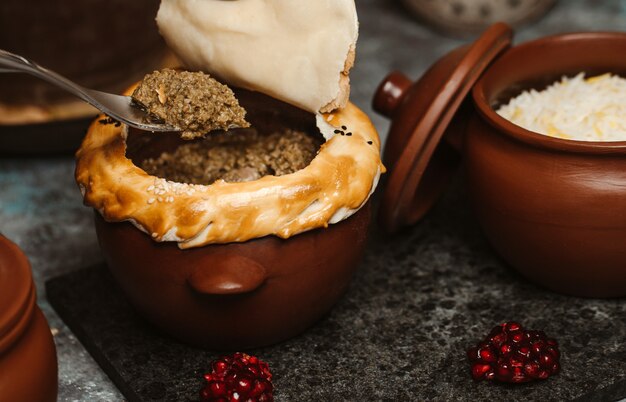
pixel 390 92
pixel 232 274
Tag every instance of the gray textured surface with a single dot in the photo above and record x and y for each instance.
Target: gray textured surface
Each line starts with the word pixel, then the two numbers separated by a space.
pixel 400 333
pixel 41 209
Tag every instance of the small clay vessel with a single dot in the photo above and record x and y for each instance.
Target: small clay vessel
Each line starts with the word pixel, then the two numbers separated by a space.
pixel 237 294
pixel 554 209
pixel 28 362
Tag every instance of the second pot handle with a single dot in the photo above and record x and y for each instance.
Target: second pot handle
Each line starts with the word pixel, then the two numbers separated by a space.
pixel 232 274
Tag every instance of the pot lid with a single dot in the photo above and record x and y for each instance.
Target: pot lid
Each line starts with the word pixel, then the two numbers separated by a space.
pixel 17 292
pixel 422 112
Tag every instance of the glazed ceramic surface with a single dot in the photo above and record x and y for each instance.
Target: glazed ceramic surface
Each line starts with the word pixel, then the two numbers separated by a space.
pixel 554 209
pixel 28 364
pixel 429 118
pixel 237 295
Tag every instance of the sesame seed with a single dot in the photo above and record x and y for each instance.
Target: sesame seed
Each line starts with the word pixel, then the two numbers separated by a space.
pixel 151 200
pixel 370 142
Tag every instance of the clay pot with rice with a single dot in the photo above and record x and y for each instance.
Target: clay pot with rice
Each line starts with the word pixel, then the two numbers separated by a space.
pixel 553 208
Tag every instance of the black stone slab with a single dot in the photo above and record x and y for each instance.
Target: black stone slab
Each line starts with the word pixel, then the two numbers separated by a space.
pixel 400 333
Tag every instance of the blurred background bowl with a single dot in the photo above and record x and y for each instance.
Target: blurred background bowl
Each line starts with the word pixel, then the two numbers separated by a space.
pixel 469 17
pixel 101 44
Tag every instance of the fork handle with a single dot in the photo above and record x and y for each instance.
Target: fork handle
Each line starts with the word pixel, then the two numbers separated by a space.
pixel 10 62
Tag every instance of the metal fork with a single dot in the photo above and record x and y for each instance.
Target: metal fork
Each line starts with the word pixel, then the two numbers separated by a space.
pixel 119 107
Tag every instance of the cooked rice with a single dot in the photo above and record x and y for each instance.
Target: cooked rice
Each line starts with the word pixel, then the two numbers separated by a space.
pixel 578 108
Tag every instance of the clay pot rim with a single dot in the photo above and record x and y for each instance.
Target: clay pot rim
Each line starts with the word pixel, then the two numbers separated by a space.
pixel 519 133
pixel 113 184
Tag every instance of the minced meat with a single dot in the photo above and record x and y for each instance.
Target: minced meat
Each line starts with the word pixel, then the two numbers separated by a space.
pixel 192 101
pixel 236 156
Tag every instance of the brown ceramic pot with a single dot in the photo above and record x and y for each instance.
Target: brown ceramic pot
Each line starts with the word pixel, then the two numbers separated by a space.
pixel 237 295
pixel 28 364
pixel 554 209
pixel 234 295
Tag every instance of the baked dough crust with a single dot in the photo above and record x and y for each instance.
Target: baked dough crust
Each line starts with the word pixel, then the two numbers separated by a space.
pixel 336 184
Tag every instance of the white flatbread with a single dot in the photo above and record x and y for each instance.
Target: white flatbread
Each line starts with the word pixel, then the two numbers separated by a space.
pixel 298 51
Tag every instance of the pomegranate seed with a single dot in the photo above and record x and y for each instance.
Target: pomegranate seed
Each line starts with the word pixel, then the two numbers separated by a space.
pixel 232 377
pixel 537 347
pixel 524 351
pixel 519 375
pixel 244 385
pixel 219 367
pixel 512 354
pixel 531 369
pixel 218 388
pixel 554 352
pixel 498 339
pixel 546 360
pixel 533 334
pixel 517 337
pixel 479 370
pixel 511 326
pixel 259 388
pixel 487 355
pixel 503 372
pixel 506 349
pixel 238 377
